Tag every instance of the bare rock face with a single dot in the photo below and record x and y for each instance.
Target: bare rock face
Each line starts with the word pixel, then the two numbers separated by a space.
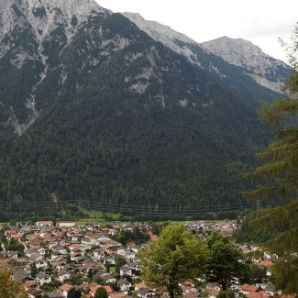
pixel 166 35
pixel 267 71
pixel 45 15
pixel 29 30
pixel 264 70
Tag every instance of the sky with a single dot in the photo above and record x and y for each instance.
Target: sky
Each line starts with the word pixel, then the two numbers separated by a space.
pixel 261 21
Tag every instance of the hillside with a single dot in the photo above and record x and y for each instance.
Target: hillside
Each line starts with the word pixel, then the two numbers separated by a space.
pixel 94 108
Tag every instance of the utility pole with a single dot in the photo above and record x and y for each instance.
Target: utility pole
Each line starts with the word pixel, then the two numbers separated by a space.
pixel 258 204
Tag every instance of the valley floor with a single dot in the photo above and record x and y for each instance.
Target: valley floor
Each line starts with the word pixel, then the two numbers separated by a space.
pixel 50 259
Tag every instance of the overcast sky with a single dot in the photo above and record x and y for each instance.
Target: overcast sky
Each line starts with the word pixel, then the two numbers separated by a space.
pixel 261 21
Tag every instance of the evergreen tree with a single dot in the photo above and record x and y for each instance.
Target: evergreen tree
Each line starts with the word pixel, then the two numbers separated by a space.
pixel 3 238
pixel 15 245
pixel 285 273
pixel 279 174
pixel 101 293
pixel 74 293
pixel 278 178
pixel 90 274
pixel 119 262
pixel 34 270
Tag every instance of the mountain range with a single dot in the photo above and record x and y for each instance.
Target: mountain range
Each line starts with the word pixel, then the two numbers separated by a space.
pixel 115 109
pixel 266 71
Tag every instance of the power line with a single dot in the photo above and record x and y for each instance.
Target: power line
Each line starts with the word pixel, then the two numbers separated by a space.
pixel 122 208
pixel 121 205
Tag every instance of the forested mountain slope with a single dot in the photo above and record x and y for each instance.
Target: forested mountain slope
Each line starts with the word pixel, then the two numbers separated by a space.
pixel 91 107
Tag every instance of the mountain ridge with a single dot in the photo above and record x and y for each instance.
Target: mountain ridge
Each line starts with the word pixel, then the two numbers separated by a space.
pixel 194 51
pixel 266 70
pixel 122 118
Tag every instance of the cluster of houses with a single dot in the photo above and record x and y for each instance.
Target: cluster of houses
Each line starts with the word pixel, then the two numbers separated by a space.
pixel 204 228
pixel 59 258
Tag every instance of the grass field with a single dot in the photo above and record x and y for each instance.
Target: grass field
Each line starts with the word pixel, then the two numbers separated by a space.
pixel 93 217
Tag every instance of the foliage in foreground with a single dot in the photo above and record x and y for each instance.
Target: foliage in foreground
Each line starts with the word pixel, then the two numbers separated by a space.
pixel 223 263
pixel 276 227
pixel 278 178
pixel 178 255
pixel 8 287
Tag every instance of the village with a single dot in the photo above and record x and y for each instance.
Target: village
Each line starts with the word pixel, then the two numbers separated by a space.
pixel 52 259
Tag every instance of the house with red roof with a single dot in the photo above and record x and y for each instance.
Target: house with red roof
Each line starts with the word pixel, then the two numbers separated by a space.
pixel 65 288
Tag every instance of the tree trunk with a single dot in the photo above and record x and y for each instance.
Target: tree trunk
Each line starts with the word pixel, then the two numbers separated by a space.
pixel 171 293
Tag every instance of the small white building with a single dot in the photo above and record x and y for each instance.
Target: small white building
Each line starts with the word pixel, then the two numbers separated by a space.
pixel 44 223
pixel 66 224
pixel 42 278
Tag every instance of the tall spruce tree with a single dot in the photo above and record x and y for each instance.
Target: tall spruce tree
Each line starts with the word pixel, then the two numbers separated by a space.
pixel 278 178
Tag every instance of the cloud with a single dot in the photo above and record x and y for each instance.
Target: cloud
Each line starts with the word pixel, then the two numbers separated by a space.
pixel 259 27
pixel 259 21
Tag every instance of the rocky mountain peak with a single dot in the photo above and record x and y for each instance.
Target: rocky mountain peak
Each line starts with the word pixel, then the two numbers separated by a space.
pixel 239 52
pixel 30 32
pixel 172 39
pixel 248 58
pixel 44 15
pixel 69 8
pixel 157 30
pixel 266 70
